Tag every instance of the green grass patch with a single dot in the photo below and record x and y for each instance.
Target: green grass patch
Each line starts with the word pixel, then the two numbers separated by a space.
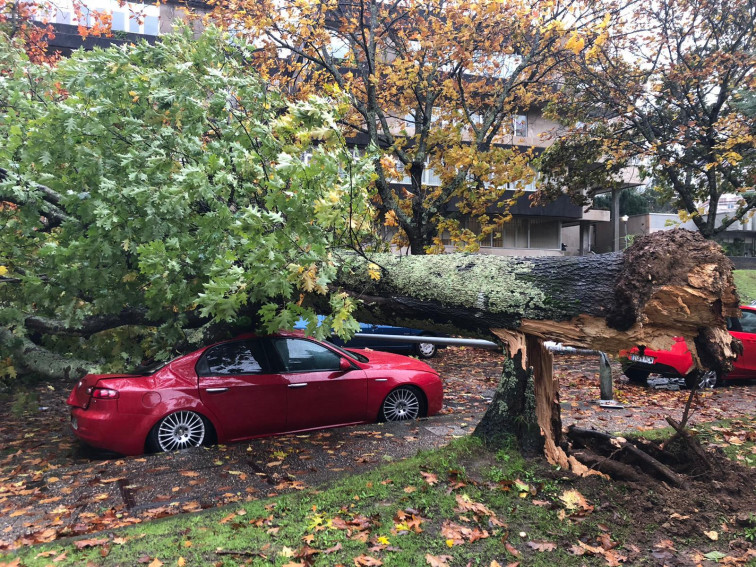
pixel 736 438
pixel 745 281
pixel 462 502
pixel 460 505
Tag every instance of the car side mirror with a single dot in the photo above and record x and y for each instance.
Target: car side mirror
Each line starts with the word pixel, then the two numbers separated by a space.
pixel 345 365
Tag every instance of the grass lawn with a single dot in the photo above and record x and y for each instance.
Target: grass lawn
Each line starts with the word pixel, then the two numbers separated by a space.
pixel 745 281
pixel 458 506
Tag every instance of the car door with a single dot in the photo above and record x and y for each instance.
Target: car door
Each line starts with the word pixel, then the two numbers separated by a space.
pixel 319 393
pixel 744 329
pixel 236 384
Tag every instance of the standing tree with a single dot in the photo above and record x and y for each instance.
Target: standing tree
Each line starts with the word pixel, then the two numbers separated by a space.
pixel 436 85
pixel 661 86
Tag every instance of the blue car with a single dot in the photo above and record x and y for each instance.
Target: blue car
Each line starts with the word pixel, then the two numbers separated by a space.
pixel 421 350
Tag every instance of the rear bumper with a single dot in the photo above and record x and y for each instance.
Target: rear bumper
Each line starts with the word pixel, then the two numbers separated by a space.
pixel 661 369
pixel 121 433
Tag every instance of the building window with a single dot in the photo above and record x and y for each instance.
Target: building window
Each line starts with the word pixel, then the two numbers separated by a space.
pixel 519 232
pixel 118 22
pixel 520 125
pixel 132 17
pixel 151 25
pixel 545 234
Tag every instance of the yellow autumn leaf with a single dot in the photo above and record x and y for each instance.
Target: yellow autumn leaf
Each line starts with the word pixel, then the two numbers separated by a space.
pixel 575 43
pixel 286 552
pixel 374 272
pixel 712 535
pixel 573 500
pixel 3 270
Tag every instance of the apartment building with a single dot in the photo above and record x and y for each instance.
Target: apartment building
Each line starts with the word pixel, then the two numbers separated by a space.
pixel 558 228
pixel 130 21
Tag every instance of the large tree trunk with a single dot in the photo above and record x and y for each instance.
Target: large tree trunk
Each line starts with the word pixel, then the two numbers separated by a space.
pixel 669 284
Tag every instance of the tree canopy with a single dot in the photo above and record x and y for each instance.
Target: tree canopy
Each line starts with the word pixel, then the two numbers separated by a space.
pixel 663 91
pixel 440 87
pixel 161 188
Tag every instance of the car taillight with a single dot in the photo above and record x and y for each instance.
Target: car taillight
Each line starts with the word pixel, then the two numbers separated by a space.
pixel 103 393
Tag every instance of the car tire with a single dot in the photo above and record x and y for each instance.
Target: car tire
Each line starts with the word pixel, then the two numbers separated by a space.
pixel 177 431
pixel 636 375
pixel 425 350
pixel 403 403
pixel 703 380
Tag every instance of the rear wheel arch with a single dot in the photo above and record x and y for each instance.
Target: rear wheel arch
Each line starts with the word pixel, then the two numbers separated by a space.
pixel 637 375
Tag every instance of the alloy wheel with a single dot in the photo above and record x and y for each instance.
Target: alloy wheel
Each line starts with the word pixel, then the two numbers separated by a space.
pixel 401 404
pixel 180 430
pixel 426 350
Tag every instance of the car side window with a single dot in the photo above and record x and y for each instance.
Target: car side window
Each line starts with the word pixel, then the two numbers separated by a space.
pixel 300 355
pixel 748 321
pixel 238 357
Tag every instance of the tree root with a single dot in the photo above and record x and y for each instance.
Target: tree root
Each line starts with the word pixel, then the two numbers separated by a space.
pixel 619 452
pixel 691 443
pixel 608 466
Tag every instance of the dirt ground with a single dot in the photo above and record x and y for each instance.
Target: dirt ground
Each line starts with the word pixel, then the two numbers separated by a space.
pixel 50 487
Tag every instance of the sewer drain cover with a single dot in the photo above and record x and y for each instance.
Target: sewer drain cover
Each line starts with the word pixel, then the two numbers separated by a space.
pixel 443 430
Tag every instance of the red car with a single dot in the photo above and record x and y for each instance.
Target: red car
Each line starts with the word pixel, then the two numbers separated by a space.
pixel 639 362
pixel 247 387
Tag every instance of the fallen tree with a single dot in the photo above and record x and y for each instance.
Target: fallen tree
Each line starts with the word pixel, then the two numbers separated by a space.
pixel 669 284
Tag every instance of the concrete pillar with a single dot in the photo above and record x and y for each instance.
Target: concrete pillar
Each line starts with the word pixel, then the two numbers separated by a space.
pixel 605 377
pixel 615 220
pixel 585 237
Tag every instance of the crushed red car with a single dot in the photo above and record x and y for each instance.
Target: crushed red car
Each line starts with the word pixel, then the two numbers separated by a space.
pixel 638 362
pixel 247 387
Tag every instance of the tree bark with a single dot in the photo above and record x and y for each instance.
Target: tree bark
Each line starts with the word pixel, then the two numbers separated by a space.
pixel 668 284
pixel 38 360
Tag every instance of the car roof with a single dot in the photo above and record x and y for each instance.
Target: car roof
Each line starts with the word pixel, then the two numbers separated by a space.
pixel 252 335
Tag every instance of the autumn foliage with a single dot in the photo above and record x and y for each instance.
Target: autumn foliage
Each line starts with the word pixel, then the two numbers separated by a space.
pixel 436 86
pixel 664 90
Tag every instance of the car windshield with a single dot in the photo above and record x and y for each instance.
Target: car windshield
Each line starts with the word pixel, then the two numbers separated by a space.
pixel 349 353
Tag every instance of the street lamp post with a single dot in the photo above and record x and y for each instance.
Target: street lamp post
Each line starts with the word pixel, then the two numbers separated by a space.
pixel 624 219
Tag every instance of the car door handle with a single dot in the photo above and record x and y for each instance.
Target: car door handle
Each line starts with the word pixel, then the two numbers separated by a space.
pixel 298 385
pixel 381 379
pixel 216 390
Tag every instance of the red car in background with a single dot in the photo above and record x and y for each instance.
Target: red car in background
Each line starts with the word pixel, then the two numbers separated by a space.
pixel 250 387
pixel 639 362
